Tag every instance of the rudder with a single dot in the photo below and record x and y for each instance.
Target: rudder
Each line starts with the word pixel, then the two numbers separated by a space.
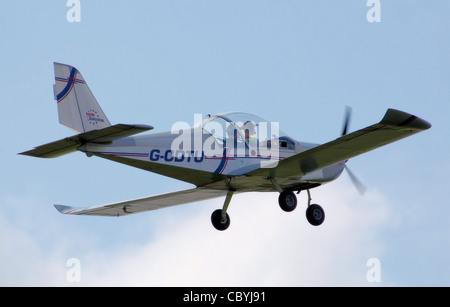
pixel 77 107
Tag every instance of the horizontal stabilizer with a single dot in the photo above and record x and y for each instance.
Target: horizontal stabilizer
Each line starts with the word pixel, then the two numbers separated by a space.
pixel 70 144
pixel 145 204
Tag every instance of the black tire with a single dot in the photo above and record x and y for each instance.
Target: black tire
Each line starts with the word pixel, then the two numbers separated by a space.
pixel 315 215
pixel 287 201
pixel 216 220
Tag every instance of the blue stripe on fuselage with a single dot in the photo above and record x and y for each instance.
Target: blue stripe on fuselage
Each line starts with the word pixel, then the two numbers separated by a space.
pixel 222 162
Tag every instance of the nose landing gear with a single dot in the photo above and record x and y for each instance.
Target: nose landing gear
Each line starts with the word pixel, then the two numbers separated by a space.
pixel 315 215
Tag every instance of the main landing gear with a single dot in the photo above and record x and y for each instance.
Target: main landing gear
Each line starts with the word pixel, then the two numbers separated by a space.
pixel 314 213
pixel 220 218
pixel 287 201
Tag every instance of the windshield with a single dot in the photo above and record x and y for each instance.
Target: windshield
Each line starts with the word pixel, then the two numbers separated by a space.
pixel 245 128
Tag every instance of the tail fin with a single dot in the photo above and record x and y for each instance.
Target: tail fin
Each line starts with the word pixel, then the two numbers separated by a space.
pixel 77 107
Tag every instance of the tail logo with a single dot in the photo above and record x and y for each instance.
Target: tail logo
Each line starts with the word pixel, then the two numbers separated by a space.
pixel 93 118
pixel 71 80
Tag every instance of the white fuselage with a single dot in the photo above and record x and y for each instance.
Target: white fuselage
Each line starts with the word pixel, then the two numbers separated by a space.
pixel 231 160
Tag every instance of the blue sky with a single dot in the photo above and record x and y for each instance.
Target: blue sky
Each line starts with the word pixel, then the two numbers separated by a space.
pixel 296 62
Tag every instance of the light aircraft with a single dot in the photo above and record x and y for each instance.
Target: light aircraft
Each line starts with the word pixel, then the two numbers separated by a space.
pixel 222 155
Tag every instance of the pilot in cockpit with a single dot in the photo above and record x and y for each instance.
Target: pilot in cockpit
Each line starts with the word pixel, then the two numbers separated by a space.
pixel 249 129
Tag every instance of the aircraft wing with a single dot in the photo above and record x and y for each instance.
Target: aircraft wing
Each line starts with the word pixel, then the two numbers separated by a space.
pixel 145 204
pixel 394 126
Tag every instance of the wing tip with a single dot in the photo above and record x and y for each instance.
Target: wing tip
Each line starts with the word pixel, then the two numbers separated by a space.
pixel 64 209
pixel 406 120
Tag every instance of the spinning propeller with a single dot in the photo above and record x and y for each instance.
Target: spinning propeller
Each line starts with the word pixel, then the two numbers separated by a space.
pixel 358 184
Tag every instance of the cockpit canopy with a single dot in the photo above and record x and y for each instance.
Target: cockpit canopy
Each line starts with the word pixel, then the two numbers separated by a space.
pixel 246 128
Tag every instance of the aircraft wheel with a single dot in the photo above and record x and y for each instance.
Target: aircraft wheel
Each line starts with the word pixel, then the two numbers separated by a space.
pixel 315 215
pixel 216 220
pixel 287 201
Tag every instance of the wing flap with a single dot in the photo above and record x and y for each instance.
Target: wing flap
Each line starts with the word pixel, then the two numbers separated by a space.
pixel 394 126
pixel 145 204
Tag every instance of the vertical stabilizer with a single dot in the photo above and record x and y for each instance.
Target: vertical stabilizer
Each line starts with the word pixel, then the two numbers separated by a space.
pixel 77 107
